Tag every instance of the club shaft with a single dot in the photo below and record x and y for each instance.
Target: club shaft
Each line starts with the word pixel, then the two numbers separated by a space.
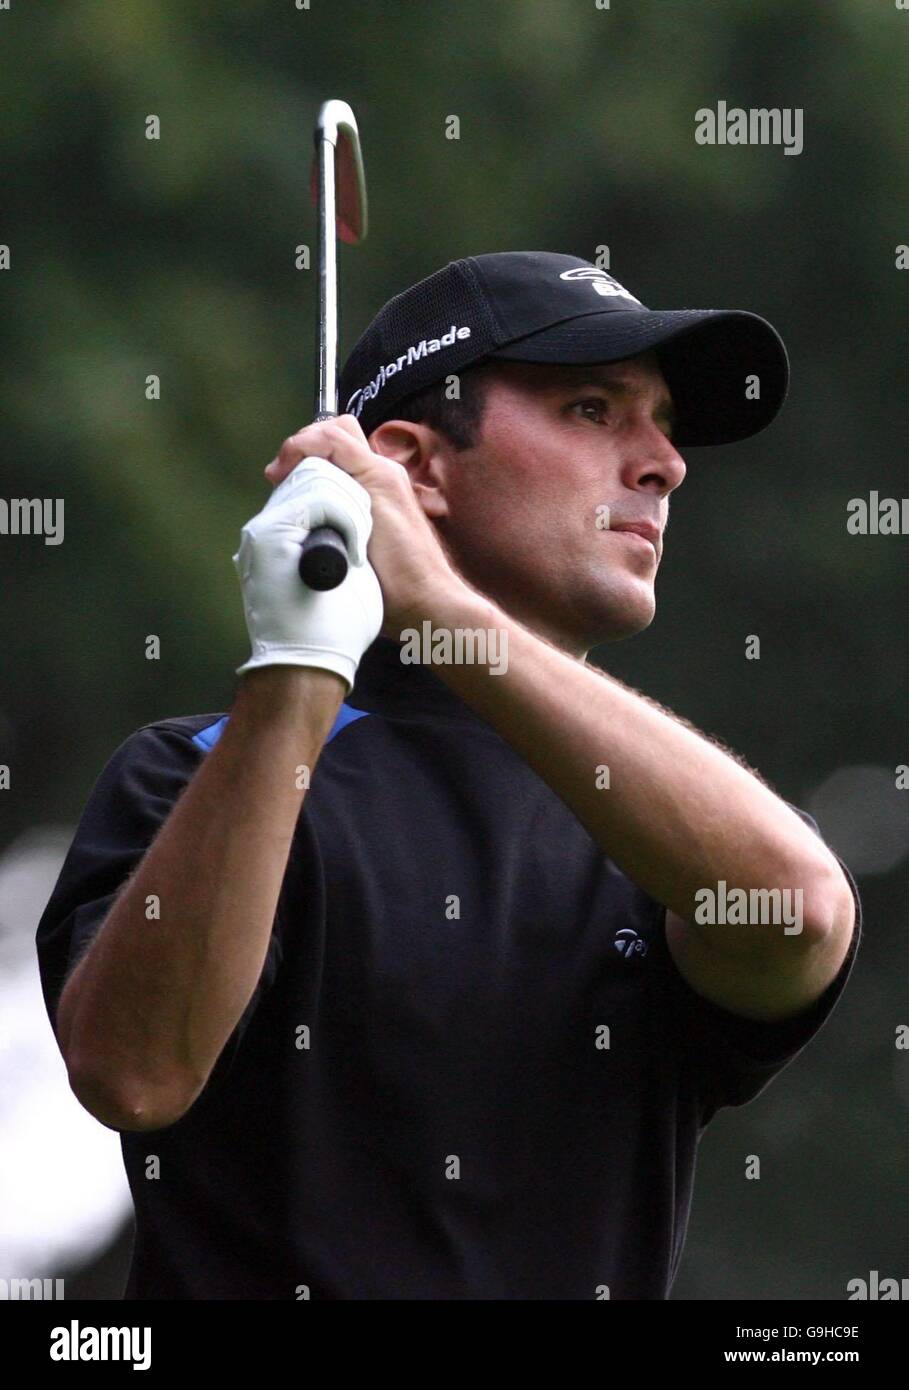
pixel 327 384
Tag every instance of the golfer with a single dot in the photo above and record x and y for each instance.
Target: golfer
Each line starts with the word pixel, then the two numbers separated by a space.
pixel 419 973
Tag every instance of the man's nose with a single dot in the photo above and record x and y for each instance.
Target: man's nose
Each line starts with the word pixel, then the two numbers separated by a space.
pixel 655 464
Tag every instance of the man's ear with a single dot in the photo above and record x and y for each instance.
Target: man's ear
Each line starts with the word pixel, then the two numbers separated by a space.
pixel 419 449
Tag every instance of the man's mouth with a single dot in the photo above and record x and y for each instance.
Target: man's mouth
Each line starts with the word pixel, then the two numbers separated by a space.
pixel 643 530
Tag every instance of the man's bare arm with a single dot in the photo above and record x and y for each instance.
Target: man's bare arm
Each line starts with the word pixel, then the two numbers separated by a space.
pixel 680 813
pixel 147 1011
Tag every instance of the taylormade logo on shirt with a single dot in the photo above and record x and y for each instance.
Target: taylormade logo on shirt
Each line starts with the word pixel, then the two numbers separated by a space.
pixel 407 358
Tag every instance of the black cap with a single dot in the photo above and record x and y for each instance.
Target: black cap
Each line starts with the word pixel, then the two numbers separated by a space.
pixel 538 306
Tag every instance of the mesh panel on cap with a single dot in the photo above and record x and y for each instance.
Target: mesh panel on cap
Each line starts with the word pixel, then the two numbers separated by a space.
pixel 429 302
pixel 425 310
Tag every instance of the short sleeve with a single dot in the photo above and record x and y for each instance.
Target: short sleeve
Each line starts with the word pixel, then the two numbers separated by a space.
pixel 734 1058
pixel 129 803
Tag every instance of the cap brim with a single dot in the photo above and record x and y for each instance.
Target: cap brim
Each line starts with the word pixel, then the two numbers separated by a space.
pixel 726 369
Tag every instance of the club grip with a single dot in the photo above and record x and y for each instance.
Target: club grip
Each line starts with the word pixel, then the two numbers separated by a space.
pixel 323 559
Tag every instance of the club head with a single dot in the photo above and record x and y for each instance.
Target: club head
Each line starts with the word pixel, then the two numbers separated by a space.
pixel 337 125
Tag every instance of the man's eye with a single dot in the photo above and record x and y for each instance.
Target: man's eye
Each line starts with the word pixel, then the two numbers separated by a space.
pixel 595 404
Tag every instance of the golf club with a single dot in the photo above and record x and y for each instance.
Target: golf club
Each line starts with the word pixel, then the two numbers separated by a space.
pixel 338 187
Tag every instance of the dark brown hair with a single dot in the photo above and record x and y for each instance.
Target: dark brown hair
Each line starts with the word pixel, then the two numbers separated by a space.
pixel 459 419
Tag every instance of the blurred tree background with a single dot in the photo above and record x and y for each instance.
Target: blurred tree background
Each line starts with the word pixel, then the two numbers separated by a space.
pixel 175 257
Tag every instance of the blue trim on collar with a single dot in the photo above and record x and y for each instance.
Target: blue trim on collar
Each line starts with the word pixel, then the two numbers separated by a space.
pixel 207 738
pixel 346 715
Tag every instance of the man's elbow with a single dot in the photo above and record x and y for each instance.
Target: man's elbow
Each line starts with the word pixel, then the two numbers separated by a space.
pixel 124 1107
pixel 829 909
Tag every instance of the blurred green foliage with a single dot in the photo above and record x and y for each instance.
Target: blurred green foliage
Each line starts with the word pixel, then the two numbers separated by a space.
pixel 175 257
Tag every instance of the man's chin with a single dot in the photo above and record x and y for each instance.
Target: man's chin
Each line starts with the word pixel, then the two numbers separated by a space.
pixel 617 621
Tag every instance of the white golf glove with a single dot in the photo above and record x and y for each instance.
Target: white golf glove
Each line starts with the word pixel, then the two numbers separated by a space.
pixel 288 623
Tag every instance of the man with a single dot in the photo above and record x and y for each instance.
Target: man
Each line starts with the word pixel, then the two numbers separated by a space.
pixel 445 1015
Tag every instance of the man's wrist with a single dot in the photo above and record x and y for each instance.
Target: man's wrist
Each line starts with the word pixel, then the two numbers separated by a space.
pixel 271 693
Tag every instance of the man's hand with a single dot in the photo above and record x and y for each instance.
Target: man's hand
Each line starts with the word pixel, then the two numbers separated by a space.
pixel 413 569
pixel 290 624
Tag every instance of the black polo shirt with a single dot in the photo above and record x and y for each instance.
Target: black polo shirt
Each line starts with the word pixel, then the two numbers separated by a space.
pixel 470 1068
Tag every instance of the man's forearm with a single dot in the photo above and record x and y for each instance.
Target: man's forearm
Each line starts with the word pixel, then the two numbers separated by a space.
pixel 148 1009
pixel 679 814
